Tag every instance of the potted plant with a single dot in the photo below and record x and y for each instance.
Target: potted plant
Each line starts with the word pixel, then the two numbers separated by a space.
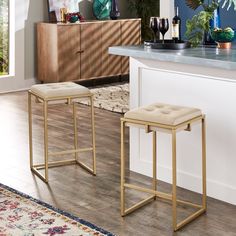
pixel 200 23
pixel 144 9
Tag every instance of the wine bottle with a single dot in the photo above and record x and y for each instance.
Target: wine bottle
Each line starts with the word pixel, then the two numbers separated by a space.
pixel 176 26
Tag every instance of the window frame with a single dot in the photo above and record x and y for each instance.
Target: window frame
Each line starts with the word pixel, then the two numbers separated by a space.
pixel 11 36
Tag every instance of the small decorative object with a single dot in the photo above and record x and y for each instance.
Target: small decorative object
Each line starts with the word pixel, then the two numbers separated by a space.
pixel 154 25
pixel 60 8
pixel 163 27
pixel 73 17
pixel 199 25
pixel 168 44
pixel 102 9
pixel 52 17
pixel 63 12
pixel 223 37
pixel 114 13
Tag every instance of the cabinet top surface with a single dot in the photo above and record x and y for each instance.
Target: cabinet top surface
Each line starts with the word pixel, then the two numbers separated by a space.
pixel 89 22
pixel 201 56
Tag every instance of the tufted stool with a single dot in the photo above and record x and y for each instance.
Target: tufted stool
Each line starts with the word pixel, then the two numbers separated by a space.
pixel 170 119
pixel 66 92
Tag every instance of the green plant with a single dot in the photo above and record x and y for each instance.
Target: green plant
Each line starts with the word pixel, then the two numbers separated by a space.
pixel 145 9
pixel 199 24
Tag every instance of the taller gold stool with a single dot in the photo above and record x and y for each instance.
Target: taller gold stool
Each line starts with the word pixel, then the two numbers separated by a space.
pixel 67 92
pixel 170 119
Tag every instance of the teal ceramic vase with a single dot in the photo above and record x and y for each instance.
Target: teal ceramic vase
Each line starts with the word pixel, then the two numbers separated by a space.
pixel 102 9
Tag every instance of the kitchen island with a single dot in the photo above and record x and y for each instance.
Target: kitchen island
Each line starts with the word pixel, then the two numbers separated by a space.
pixel 198 77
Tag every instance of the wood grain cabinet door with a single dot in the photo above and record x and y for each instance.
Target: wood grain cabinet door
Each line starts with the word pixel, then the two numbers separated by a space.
pixel 130 35
pixel 111 36
pixel 91 58
pixel 47 53
pixel 69 52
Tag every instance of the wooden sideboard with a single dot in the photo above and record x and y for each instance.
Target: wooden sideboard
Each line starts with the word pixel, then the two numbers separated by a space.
pixel 73 52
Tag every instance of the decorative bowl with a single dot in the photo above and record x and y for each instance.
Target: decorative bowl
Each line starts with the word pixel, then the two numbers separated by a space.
pixel 223 35
pixel 73 19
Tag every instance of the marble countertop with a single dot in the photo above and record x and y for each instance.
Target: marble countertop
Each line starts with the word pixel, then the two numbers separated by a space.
pixel 201 56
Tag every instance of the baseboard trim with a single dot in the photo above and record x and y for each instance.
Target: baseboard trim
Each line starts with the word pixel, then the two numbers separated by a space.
pixel 8 87
pixel 215 189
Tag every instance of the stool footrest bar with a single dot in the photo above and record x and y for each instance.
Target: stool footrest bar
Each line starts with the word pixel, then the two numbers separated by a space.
pixel 138 205
pixel 70 151
pixel 55 164
pixel 86 167
pixel 35 171
pixel 161 195
pixel 190 218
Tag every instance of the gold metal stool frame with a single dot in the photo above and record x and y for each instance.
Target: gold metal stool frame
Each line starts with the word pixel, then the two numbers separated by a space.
pixel 152 127
pixel 36 167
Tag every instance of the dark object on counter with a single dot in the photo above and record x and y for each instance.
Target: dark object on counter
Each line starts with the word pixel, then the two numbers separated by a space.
pixel 52 17
pixel 154 25
pixel 114 14
pixel 73 17
pixel 168 44
pixel 163 27
pixel 176 26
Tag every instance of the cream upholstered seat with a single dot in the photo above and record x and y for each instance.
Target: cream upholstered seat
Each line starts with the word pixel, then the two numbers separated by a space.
pixel 70 92
pixel 65 89
pixel 164 114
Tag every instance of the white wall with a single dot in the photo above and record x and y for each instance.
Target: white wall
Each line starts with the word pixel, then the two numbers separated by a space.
pixel 167 10
pixel 27 13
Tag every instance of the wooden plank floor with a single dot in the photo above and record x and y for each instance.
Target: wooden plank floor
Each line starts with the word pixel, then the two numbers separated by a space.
pixel 95 199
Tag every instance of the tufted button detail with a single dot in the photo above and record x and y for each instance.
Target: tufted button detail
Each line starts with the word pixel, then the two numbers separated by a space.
pixel 163 114
pixel 149 109
pixel 64 89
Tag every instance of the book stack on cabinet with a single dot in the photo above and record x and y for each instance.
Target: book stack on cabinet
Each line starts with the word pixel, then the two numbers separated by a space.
pixel 75 52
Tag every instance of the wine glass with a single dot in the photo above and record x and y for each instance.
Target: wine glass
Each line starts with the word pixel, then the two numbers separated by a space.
pixel 163 27
pixel 154 25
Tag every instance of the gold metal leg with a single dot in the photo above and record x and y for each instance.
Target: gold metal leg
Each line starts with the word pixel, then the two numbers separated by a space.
pixel 45 114
pixel 122 175
pixel 204 203
pixel 93 135
pixel 174 202
pixel 30 130
pixel 123 184
pixel 203 206
pixel 75 130
pixel 154 179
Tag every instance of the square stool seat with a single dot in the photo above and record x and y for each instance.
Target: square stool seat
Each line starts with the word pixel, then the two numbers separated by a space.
pixel 163 114
pixel 64 89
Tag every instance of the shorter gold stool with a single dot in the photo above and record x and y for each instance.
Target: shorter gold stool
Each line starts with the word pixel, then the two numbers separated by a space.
pixel 170 119
pixel 68 92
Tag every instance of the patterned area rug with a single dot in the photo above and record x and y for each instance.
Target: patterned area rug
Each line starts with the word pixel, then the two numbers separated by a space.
pixel 112 98
pixel 22 215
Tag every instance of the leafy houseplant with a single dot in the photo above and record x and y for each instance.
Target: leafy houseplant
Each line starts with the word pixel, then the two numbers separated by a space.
pixel 145 9
pixel 200 23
